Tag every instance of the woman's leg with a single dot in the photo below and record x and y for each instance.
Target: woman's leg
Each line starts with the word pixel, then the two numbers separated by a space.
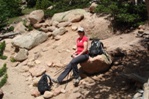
pixel 73 65
pixel 64 73
pixel 76 61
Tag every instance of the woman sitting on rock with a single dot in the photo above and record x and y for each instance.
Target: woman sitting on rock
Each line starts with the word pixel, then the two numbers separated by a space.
pixel 80 55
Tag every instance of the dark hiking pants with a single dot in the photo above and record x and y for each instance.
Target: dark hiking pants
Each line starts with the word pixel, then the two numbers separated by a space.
pixel 73 66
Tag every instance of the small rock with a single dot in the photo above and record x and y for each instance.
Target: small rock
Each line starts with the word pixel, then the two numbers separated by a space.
pixel 48 94
pixel 25 68
pixel 137 95
pixel 26 74
pixel 146 32
pixel 116 63
pixel 141 31
pixel 21 55
pixel 15 64
pixel 40 97
pixel 49 34
pixel 31 64
pixel 1 94
pixel 74 28
pixel 76 90
pixel 74 47
pixel 63 91
pixel 37 55
pixel 44 49
pixel 37 61
pixel 35 81
pixel 57 91
pixel 57 37
pixel 35 92
pixel 37 70
pixel 49 64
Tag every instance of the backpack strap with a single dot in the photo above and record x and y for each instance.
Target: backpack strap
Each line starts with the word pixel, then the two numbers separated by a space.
pixel 104 51
pixel 49 79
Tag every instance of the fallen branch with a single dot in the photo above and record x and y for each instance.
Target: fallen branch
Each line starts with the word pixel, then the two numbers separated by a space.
pixel 8 35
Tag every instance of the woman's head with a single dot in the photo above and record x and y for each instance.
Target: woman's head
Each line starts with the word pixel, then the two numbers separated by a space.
pixel 80 31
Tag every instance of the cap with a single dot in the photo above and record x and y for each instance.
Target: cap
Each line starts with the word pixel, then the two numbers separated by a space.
pixel 80 29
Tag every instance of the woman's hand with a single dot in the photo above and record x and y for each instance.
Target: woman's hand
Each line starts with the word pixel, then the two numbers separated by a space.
pixel 74 55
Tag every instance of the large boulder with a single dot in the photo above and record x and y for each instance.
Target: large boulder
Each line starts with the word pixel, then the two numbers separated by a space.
pixel 30 39
pixel 36 16
pixel 97 64
pixel 92 25
pixel 72 15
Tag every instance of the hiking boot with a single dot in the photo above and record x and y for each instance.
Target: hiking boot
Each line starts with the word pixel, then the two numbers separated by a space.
pixel 76 81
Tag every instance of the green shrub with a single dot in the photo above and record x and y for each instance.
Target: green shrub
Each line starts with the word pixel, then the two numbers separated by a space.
pixel 125 14
pixel 11 8
pixel 12 59
pixel 31 3
pixel 65 5
pixel 3 57
pixel 3 74
pixel 43 4
pixel 10 29
pixel 2 48
pixel 3 80
pixel 3 70
pixel 30 27
pixel 8 9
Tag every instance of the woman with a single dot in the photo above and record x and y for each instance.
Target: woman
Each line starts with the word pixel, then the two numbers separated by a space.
pixel 80 55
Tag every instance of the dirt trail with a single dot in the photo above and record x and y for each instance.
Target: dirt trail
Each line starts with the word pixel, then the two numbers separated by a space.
pixel 16 86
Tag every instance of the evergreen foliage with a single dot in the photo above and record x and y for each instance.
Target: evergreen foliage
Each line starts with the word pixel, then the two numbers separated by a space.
pixel 3 80
pixel 125 14
pixel 3 74
pixel 2 48
pixel 43 4
pixel 12 59
pixel 31 3
pixel 8 9
pixel 11 7
pixel 65 5
pixel 3 70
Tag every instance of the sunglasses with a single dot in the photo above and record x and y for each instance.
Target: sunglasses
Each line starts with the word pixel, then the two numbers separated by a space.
pixel 80 32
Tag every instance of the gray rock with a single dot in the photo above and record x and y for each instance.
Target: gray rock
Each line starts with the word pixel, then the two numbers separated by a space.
pixel 20 28
pixel 137 95
pixel 68 15
pixel 48 94
pixel 36 16
pixel 30 39
pixel 59 31
pixel 37 70
pixel 21 55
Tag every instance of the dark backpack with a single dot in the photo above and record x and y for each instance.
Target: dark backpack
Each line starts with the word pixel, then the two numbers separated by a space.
pixel 44 84
pixel 96 48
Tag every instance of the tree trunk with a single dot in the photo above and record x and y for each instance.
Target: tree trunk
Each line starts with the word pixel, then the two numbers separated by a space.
pixel 147 5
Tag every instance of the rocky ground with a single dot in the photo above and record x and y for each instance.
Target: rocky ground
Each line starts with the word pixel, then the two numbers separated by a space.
pixel 54 54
